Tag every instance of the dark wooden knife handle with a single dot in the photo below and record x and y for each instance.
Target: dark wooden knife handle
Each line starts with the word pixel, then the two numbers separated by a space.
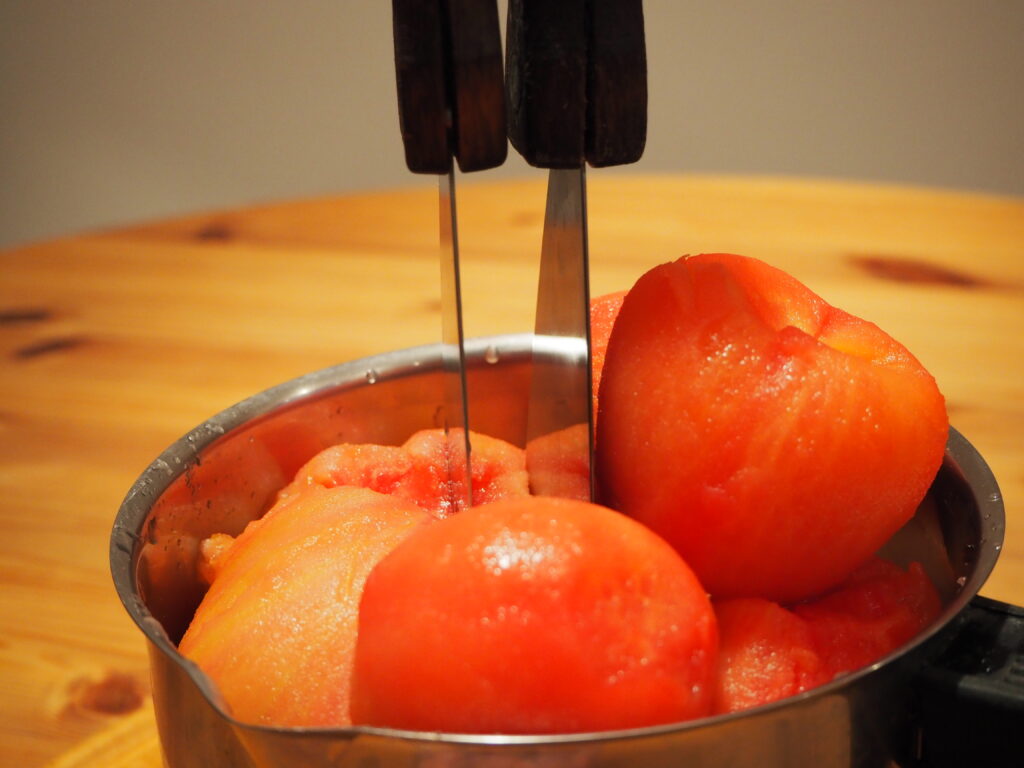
pixel 478 84
pixel 448 70
pixel 576 81
pixel 422 85
pixel 616 131
pixel 546 80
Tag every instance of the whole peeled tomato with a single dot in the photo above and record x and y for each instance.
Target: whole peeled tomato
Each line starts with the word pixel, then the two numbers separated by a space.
pixel 559 463
pixel 417 470
pixel 775 441
pixel 603 312
pixel 277 629
pixel 765 653
pixel 879 608
pixel 532 615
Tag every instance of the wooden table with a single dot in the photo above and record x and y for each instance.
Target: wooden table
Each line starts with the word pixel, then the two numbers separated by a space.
pixel 115 343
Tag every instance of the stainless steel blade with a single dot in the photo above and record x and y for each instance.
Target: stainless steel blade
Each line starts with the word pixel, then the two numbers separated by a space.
pixel 453 356
pixel 560 390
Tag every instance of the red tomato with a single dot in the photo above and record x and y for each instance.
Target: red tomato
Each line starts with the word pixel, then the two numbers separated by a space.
pixel 558 464
pixel 277 629
pixel 877 610
pixel 418 470
pixel 766 653
pixel 774 440
pixel 535 615
pixel 603 311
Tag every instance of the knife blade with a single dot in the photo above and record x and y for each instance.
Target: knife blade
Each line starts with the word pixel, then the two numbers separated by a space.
pixel 453 352
pixel 450 80
pixel 560 383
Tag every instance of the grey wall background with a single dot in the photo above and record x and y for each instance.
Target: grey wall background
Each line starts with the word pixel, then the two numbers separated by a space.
pixel 114 111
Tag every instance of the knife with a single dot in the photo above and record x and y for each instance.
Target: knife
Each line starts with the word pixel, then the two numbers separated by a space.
pixel 576 87
pixel 448 69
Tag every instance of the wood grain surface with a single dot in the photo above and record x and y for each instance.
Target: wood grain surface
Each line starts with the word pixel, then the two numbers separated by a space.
pixel 115 343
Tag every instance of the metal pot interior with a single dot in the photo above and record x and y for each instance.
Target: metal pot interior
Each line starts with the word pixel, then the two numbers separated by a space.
pixel 225 472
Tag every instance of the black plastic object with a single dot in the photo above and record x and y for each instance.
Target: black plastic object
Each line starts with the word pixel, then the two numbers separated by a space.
pixel 972 694
pixel 576 81
pixel 448 69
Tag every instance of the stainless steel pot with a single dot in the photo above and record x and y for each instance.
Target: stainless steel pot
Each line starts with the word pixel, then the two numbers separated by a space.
pixel 224 473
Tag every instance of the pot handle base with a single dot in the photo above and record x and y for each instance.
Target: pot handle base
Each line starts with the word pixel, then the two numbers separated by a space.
pixel 971 701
